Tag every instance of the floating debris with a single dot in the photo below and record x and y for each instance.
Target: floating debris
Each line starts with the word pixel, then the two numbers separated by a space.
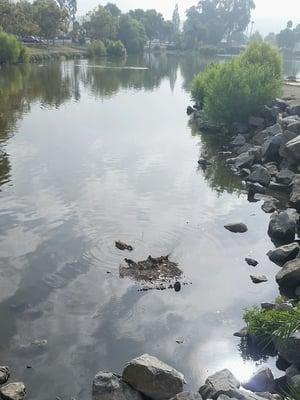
pixel 123 246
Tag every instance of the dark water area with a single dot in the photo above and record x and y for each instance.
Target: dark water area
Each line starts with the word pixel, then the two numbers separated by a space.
pixel 91 153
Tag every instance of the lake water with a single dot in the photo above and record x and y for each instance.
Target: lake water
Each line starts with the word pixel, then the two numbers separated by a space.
pixel 96 152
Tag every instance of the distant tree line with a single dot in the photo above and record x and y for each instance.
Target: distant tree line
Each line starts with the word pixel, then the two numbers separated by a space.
pixel 287 38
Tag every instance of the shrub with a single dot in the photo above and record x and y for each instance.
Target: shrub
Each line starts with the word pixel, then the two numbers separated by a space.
pixel 272 324
pixel 265 55
pixel 235 90
pixel 11 50
pixel 115 48
pixel 97 49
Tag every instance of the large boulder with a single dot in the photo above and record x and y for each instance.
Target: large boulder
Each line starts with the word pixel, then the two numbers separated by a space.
pixel 187 396
pixel 292 375
pixel 285 176
pixel 261 381
pixel 289 276
pixel 295 110
pixel 260 175
pixel 285 253
pixel 271 146
pixel 294 127
pixel 291 150
pixel 260 137
pixel 244 160
pixel 13 391
pixel 4 375
pixel 295 195
pixel 152 377
pixel 256 122
pixel 282 227
pixel 109 386
pixel 289 349
pixel 221 383
pixel 238 141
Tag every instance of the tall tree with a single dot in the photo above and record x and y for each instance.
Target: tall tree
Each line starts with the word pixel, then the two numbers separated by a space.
pixel 176 19
pixel 49 17
pixel 100 24
pixel 113 9
pixel 132 34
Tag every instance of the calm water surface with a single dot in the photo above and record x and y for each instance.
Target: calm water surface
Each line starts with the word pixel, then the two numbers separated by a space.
pixel 92 153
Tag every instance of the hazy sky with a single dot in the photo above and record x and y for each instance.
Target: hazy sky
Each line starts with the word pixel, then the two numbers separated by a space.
pixel 270 15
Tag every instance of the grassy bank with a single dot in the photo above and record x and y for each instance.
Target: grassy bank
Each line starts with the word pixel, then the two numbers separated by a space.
pixel 43 52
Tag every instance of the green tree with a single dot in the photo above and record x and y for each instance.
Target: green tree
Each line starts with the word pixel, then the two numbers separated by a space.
pixel 176 19
pixel 113 9
pixel 132 34
pixel 271 38
pixel 287 38
pixel 101 24
pixel 256 37
pixel 152 21
pixel 6 15
pixel 49 17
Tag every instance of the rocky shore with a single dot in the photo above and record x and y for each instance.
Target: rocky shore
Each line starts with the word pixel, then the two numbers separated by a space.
pixel 265 153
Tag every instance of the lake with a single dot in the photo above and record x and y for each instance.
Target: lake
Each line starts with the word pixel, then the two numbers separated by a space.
pixel 91 153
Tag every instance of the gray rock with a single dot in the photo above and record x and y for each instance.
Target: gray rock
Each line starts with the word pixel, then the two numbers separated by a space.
pixel 282 226
pixel 278 187
pixel 109 386
pixel 241 394
pixel 295 110
pixel 269 206
pixel 152 377
pixel 272 168
pixel 269 396
pixel 241 333
pixel 257 122
pixel 13 391
pixel 294 127
pixel 270 113
pixel 239 140
pixel 295 195
pixel 268 306
pixel 283 254
pixel 4 375
pixel 295 382
pixel 244 160
pixel 254 188
pixel 292 150
pixel 258 279
pixel 282 104
pixel 285 176
pixel 261 381
pixel 260 175
pixel 291 372
pixel 289 120
pixel 251 262
pixel 239 127
pixel 290 349
pixel 221 383
pixel 238 227
pixel 289 276
pixel 271 146
pixel 243 149
pixel 260 137
pixel 187 396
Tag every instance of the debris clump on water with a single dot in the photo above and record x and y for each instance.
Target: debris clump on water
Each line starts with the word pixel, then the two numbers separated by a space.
pixel 156 271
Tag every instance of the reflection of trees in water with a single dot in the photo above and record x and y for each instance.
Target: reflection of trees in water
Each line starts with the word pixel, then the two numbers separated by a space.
pixel 106 79
pixel 217 175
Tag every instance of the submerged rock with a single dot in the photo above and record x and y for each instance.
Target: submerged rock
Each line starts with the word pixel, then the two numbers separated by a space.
pixel 221 383
pixel 289 276
pixel 123 246
pixel 109 386
pixel 282 226
pixel 13 391
pixel 4 375
pixel 258 279
pixel 261 381
pixel 283 254
pixel 153 378
pixel 151 270
pixel 242 333
pixel 251 262
pixel 236 227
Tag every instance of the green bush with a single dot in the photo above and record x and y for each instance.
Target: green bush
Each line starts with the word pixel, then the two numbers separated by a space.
pixel 97 49
pixel 235 90
pixel 115 48
pixel 272 324
pixel 11 50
